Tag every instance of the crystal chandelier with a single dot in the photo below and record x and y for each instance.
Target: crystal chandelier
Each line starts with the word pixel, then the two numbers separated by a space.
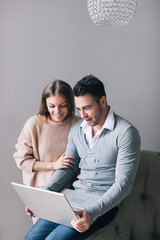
pixel 112 13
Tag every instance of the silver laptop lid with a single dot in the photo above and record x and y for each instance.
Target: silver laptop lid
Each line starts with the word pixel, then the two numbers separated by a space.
pixel 48 205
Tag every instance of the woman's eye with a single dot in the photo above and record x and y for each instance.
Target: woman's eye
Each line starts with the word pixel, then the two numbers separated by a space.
pixel 63 106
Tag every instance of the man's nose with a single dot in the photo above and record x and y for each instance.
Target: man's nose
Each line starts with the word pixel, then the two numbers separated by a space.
pixel 83 114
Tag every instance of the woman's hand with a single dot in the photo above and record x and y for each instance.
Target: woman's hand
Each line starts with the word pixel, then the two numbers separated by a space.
pixel 63 162
pixel 30 214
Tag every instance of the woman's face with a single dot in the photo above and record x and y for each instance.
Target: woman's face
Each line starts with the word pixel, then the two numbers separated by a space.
pixel 57 108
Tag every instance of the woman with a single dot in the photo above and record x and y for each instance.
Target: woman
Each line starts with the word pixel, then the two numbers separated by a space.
pixel 42 142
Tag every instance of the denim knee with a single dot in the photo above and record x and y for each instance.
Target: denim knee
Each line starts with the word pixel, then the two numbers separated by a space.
pixel 26 237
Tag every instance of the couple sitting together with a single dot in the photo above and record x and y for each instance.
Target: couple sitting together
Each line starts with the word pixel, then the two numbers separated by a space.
pixel 55 143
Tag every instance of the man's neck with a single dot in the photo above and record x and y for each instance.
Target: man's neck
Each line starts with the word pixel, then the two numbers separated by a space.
pixel 99 126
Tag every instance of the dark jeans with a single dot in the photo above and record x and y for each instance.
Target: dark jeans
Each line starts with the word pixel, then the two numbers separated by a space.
pixel 46 230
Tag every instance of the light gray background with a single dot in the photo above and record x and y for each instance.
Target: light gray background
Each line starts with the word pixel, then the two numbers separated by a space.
pixel 41 40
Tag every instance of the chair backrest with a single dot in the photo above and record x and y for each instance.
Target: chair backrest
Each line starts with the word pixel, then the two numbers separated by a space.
pixel 139 213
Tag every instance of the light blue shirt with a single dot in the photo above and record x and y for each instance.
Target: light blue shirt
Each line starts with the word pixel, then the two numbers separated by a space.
pixel 108 168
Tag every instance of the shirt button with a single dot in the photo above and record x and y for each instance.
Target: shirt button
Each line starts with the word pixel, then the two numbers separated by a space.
pixel 84 156
pixel 96 160
pixel 95 173
pixel 90 184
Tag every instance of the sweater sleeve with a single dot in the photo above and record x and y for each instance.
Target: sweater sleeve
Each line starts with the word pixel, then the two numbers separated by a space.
pixel 126 169
pixel 24 156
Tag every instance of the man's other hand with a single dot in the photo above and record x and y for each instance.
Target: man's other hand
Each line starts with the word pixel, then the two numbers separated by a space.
pixel 83 223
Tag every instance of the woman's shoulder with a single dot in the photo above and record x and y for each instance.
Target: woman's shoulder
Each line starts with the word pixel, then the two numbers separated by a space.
pixel 34 120
pixel 75 119
pixel 76 124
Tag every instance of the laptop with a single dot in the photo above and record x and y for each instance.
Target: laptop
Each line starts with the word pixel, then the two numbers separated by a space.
pixel 54 206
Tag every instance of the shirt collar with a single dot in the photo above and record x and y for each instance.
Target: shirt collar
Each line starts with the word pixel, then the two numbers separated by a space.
pixel 108 124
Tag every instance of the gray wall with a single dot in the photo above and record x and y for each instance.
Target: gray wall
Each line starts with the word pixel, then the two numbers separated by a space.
pixel 43 40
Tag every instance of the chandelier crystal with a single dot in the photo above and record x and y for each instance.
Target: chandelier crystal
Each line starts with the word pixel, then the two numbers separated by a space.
pixel 112 13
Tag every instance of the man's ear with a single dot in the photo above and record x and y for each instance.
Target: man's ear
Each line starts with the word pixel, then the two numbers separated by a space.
pixel 103 101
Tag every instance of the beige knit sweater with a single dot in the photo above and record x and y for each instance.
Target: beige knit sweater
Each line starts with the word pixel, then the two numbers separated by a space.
pixel 43 141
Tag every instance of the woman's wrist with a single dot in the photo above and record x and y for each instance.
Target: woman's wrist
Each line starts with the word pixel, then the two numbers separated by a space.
pixel 43 166
pixel 53 166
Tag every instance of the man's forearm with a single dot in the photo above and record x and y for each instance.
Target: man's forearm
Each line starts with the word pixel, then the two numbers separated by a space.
pixel 59 179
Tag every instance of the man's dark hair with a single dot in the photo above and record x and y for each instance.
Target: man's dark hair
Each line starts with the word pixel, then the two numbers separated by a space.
pixel 89 85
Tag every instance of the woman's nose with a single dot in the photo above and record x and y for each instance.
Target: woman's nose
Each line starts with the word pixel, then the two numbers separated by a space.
pixel 56 110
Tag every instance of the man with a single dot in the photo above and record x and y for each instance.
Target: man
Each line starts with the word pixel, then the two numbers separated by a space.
pixel 106 149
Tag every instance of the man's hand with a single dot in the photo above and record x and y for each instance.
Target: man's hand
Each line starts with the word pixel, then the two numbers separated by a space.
pixel 83 223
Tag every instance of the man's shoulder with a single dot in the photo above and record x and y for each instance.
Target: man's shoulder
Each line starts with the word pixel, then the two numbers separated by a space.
pixel 122 124
pixel 77 124
pixel 121 121
pixel 126 132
